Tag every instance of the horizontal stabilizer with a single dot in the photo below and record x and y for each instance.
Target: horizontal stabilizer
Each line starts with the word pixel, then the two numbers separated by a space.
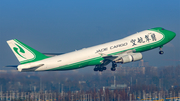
pixel 32 68
pixel 14 66
pixel 28 67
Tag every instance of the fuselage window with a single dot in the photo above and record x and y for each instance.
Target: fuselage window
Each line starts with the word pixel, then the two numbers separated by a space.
pixel 59 61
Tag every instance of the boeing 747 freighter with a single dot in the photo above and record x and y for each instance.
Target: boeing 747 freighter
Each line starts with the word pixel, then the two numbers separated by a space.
pixel 121 51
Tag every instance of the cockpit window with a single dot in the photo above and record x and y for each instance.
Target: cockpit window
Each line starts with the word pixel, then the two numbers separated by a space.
pixel 162 28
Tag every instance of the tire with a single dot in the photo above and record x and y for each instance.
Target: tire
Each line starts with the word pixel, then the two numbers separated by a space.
pixel 104 68
pixel 95 69
pixel 100 69
pixel 161 52
pixel 113 69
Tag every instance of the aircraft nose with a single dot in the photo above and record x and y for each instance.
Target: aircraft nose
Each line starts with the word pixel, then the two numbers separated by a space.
pixel 171 35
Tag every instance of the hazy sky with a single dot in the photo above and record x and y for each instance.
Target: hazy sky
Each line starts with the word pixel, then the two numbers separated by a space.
pixel 65 25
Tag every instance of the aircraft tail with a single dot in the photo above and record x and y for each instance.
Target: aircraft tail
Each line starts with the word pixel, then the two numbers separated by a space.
pixel 24 53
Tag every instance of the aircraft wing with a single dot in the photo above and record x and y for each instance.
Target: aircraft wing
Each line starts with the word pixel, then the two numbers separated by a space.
pixel 115 57
pixel 110 57
pixel 52 54
pixel 123 57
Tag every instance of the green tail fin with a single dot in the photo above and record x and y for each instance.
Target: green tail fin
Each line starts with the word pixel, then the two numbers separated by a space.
pixel 24 53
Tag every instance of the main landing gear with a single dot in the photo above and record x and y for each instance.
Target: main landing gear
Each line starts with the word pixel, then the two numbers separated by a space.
pixel 114 65
pixel 99 68
pixel 161 51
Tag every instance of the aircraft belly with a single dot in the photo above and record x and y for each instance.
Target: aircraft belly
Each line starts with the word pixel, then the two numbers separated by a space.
pixel 69 66
pixel 66 63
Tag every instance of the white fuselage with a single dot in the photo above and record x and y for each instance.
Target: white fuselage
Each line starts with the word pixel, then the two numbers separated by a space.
pixel 96 51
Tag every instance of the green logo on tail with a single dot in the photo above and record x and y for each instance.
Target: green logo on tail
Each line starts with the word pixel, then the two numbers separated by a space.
pixel 20 49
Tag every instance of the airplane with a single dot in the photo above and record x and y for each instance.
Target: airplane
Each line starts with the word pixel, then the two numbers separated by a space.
pixel 121 51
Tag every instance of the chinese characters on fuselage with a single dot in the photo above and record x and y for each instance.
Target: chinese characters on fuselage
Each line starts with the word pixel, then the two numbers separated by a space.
pixel 146 38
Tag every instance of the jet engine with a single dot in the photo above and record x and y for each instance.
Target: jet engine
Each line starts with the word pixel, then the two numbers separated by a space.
pixel 130 57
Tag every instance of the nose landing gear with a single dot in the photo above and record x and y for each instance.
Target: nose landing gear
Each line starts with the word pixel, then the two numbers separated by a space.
pixel 161 51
